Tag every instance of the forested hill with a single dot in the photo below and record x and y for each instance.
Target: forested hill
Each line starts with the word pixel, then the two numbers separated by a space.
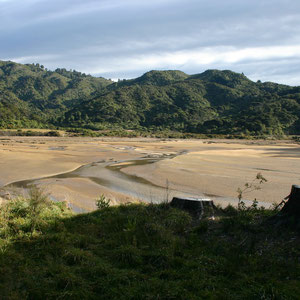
pixel 30 95
pixel 211 102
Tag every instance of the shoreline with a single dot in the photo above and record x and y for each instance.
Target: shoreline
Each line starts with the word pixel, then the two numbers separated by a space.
pixel 41 178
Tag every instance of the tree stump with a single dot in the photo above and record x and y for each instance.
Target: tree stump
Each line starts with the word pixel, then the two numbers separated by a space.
pixel 197 207
pixel 292 206
pixel 290 213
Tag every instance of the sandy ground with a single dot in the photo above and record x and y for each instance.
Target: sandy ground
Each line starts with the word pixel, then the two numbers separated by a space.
pixel 222 171
pixel 215 167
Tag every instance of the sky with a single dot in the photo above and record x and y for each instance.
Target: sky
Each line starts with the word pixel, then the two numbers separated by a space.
pixel 126 38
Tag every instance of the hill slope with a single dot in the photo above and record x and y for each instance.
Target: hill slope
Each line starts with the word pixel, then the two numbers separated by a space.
pixel 214 101
pixel 31 95
pixel 211 102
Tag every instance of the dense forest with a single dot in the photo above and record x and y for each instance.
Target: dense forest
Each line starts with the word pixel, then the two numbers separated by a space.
pixel 213 102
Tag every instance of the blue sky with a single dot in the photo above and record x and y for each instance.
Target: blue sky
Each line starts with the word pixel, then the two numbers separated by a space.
pixel 126 38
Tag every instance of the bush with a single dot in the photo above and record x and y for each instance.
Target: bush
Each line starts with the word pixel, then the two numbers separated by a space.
pixel 31 215
pixel 53 133
pixel 102 202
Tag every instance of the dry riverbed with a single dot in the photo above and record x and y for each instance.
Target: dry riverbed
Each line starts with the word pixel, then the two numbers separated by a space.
pixel 170 167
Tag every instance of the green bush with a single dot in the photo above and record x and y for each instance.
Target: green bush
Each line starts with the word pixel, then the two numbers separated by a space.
pixel 29 216
pixel 102 202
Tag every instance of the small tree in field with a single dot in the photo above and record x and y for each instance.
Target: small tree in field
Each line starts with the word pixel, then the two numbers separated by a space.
pixel 249 187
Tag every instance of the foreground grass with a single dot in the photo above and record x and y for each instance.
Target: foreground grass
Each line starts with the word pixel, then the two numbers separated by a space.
pixel 143 252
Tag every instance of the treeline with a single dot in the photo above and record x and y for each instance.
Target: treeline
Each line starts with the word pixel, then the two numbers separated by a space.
pixel 213 102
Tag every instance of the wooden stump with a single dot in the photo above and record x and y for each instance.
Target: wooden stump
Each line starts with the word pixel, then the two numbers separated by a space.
pixel 292 206
pixel 289 215
pixel 197 207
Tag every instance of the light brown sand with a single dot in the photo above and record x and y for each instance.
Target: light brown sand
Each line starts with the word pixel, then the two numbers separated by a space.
pixel 24 158
pixel 81 192
pixel 222 171
pixel 217 167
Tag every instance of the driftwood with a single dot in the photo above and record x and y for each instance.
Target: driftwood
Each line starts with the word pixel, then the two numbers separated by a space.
pixel 197 207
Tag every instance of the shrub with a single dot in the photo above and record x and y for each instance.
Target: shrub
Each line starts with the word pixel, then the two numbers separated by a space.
pixel 102 202
pixel 29 215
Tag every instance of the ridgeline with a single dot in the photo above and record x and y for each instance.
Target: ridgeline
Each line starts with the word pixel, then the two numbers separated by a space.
pixel 213 102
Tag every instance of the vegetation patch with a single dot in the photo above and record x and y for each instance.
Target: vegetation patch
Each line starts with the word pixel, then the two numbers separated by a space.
pixel 159 102
pixel 144 251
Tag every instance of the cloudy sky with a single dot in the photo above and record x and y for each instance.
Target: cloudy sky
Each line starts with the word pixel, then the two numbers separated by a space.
pixel 126 38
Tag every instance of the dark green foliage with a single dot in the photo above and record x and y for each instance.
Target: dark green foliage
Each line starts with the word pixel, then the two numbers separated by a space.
pixel 32 97
pixel 213 102
pixel 157 78
pixel 20 132
pixel 144 251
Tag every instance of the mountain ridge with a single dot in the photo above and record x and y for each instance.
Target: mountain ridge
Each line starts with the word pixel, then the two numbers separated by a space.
pixel 214 101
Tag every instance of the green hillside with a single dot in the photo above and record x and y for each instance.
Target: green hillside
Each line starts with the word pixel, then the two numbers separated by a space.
pixel 30 95
pixel 213 102
pixel 217 102
pixel 158 78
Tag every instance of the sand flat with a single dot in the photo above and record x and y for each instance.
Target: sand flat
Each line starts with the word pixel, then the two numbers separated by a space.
pixel 221 172
pixel 81 192
pixel 24 158
pixel 215 167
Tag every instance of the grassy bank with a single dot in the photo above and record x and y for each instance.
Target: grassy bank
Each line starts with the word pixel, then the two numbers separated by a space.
pixel 144 252
pixel 120 132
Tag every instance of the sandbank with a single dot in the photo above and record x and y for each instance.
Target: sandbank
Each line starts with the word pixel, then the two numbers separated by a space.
pixel 213 167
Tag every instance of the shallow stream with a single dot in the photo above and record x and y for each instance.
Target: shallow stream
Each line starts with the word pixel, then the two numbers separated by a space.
pixel 110 175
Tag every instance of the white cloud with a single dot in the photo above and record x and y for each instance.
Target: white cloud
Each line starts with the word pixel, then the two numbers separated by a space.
pixel 124 38
pixel 34 59
pixel 196 57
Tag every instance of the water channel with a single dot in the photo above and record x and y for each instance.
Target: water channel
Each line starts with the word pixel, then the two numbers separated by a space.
pixel 110 175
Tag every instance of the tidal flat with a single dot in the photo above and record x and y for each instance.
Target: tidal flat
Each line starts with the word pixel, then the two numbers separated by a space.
pixel 80 169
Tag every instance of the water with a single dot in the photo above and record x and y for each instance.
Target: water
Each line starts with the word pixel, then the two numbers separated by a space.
pixel 110 175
